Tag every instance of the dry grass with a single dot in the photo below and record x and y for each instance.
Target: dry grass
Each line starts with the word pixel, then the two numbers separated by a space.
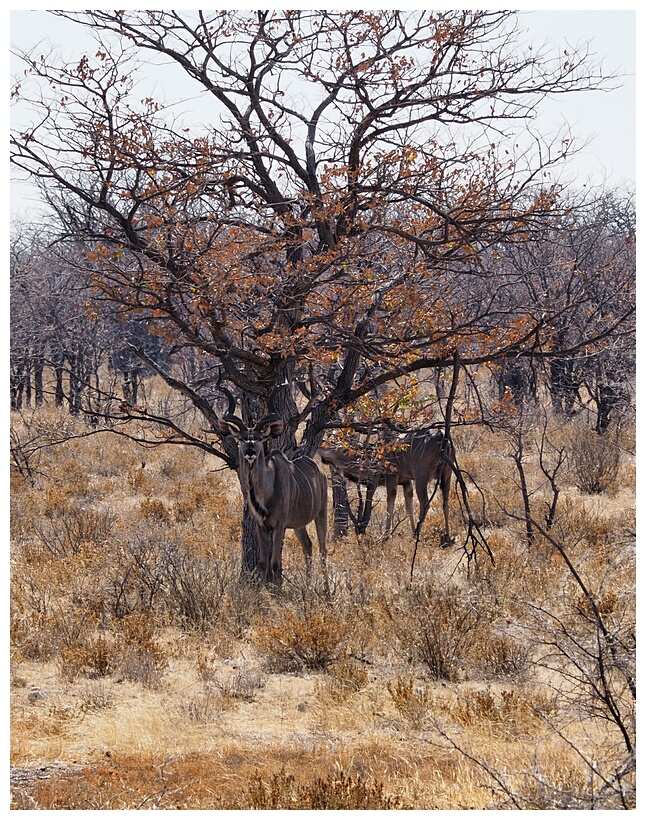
pixel 145 674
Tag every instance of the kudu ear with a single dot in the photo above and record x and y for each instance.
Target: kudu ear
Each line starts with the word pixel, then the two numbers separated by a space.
pixel 228 429
pixel 270 428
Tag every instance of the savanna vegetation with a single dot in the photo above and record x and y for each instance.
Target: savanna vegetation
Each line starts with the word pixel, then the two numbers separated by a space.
pixel 361 219
pixel 146 673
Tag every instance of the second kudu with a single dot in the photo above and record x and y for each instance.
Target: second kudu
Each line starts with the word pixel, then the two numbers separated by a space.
pixel 281 493
pixel 418 458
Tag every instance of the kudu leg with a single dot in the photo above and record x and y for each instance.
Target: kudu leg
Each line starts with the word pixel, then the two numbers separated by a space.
pixel 276 565
pixel 391 495
pixel 445 486
pixel 421 488
pixel 321 534
pixel 306 544
pixel 407 487
pixel 264 551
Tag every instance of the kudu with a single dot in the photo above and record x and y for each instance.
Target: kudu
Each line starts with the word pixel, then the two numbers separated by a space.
pixel 281 493
pixel 417 457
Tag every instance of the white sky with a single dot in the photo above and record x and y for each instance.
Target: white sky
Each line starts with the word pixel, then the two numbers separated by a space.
pixel 606 119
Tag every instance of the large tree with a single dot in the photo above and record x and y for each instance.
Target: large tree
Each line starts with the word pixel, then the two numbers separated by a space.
pixel 336 214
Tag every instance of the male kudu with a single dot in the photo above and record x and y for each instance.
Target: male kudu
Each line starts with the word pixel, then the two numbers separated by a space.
pixel 281 493
pixel 417 457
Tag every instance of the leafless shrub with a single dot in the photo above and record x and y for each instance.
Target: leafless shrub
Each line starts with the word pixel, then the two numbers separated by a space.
pixel 411 701
pixel 91 657
pixel 197 586
pixel 506 658
pixel 344 679
pixel 446 628
pixel 71 527
pixel 141 658
pixel 97 696
pixel 595 461
pixel 203 706
pixel 291 642
pixel 241 684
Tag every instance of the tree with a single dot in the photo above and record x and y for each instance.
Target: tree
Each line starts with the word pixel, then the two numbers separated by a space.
pixel 585 263
pixel 333 223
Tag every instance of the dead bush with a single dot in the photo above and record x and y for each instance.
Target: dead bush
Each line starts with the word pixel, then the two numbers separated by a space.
pixel 67 527
pixel 91 657
pixel 197 587
pixel 412 702
pixel 154 509
pixel 337 791
pixel 506 658
pixel 140 657
pixel 292 642
pixel 345 678
pixel 447 629
pixel 507 713
pixel 595 461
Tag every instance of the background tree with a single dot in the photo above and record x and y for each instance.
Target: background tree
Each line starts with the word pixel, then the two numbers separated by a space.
pixel 337 216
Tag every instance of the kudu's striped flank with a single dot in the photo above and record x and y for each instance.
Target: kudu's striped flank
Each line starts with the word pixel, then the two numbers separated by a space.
pixel 418 458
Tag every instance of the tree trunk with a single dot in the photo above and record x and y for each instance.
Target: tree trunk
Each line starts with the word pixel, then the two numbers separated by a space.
pixel 340 505
pixel 250 551
pixel 39 364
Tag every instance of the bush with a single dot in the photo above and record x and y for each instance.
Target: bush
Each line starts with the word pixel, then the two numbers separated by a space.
pixel 292 642
pixel 446 629
pixel 338 791
pixel 595 462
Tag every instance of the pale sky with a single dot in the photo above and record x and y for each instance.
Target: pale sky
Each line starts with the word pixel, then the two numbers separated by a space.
pixel 606 119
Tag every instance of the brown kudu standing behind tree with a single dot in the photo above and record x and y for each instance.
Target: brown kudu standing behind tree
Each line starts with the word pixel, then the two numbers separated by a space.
pixel 418 458
pixel 281 493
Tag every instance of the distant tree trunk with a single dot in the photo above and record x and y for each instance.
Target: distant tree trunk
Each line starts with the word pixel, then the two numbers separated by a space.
pixel 364 511
pixel 17 384
pixel 39 364
pixel 27 380
pixel 57 363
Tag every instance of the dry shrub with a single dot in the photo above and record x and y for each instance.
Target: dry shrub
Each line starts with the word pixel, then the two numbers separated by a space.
pixel 506 658
pixel 519 574
pixel 155 510
pixel 595 461
pixel 337 791
pixel 67 527
pixel 204 706
pixel 140 655
pixel 191 499
pixel 507 713
pixel 445 628
pixel 241 684
pixel 97 696
pixel 91 657
pixel 198 587
pixel 412 702
pixel 137 781
pixel 582 531
pixel 346 678
pixel 292 642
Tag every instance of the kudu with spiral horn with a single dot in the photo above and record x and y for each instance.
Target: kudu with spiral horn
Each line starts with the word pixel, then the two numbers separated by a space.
pixel 281 493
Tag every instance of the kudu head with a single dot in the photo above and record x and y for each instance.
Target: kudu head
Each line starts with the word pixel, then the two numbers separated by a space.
pixel 250 440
